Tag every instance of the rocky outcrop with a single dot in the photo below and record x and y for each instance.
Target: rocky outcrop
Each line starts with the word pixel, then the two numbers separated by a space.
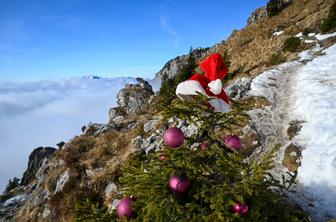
pixel 63 179
pixel 262 12
pixel 35 161
pixel 11 206
pixel 132 99
pixel 172 67
pixel 237 89
pixel 154 142
pixel 281 4
pixel 257 15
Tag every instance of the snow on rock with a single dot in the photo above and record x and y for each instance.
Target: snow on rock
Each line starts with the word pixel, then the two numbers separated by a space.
pixel 264 85
pixel 271 122
pixel 315 94
pixel 308 55
pixel 322 37
pixel 309 41
pixel 278 33
pixel 299 35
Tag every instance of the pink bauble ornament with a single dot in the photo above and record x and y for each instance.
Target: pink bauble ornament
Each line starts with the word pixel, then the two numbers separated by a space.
pixel 124 208
pixel 178 184
pixel 163 157
pixel 173 137
pixel 233 141
pixel 204 146
pixel 240 208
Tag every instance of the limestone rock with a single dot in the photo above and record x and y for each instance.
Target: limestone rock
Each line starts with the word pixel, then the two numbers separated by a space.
pixel 112 206
pixel 110 188
pixel 96 129
pixel 63 179
pixel 262 12
pixel 35 161
pixel 172 67
pixel 115 112
pixel 238 88
pixel 257 15
pixel 150 125
pixel 134 97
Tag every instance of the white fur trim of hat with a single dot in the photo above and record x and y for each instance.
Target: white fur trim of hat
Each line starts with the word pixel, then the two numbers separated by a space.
pixel 189 87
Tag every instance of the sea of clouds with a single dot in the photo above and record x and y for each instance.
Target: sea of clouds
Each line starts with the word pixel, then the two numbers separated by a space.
pixel 44 113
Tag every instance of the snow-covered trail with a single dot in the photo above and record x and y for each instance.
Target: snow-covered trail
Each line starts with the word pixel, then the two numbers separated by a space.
pixel 315 103
pixel 271 123
pixel 303 90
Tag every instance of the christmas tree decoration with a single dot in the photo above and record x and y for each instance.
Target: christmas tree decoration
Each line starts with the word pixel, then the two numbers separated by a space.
pixel 179 184
pixel 204 146
pixel 124 208
pixel 233 141
pixel 210 179
pixel 163 157
pixel 240 208
pixel 209 84
pixel 173 137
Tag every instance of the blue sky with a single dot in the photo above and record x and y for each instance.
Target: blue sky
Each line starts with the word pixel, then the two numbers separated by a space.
pixel 54 39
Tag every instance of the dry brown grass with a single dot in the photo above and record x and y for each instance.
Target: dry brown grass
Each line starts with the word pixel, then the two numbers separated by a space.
pixel 294 128
pixel 292 157
pixel 252 47
pixel 103 154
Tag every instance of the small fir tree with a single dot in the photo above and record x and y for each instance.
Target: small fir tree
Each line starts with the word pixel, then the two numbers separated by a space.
pixel 220 176
pixel 88 210
pixel 167 92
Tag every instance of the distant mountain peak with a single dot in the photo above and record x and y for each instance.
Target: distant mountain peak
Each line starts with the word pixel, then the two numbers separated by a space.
pixel 93 77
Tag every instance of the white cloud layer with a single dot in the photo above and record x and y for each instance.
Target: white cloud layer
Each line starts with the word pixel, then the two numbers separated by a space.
pixel 46 112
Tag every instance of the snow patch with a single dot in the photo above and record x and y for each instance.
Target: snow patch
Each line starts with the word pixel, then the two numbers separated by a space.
pixel 308 55
pixel 305 92
pixel 315 94
pixel 309 41
pixel 264 85
pixel 299 35
pixel 321 37
pixel 278 33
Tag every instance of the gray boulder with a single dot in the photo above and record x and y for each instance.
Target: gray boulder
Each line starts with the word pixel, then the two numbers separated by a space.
pixel 96 129
pixel 133 98
pixel 116 112
pixel 237 89
pixel 110 188
pixel 151 125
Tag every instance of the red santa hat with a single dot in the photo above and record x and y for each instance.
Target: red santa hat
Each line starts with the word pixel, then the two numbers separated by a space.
pixel 209 84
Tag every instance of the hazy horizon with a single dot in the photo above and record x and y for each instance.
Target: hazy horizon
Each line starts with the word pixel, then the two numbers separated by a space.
pixel 43 113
